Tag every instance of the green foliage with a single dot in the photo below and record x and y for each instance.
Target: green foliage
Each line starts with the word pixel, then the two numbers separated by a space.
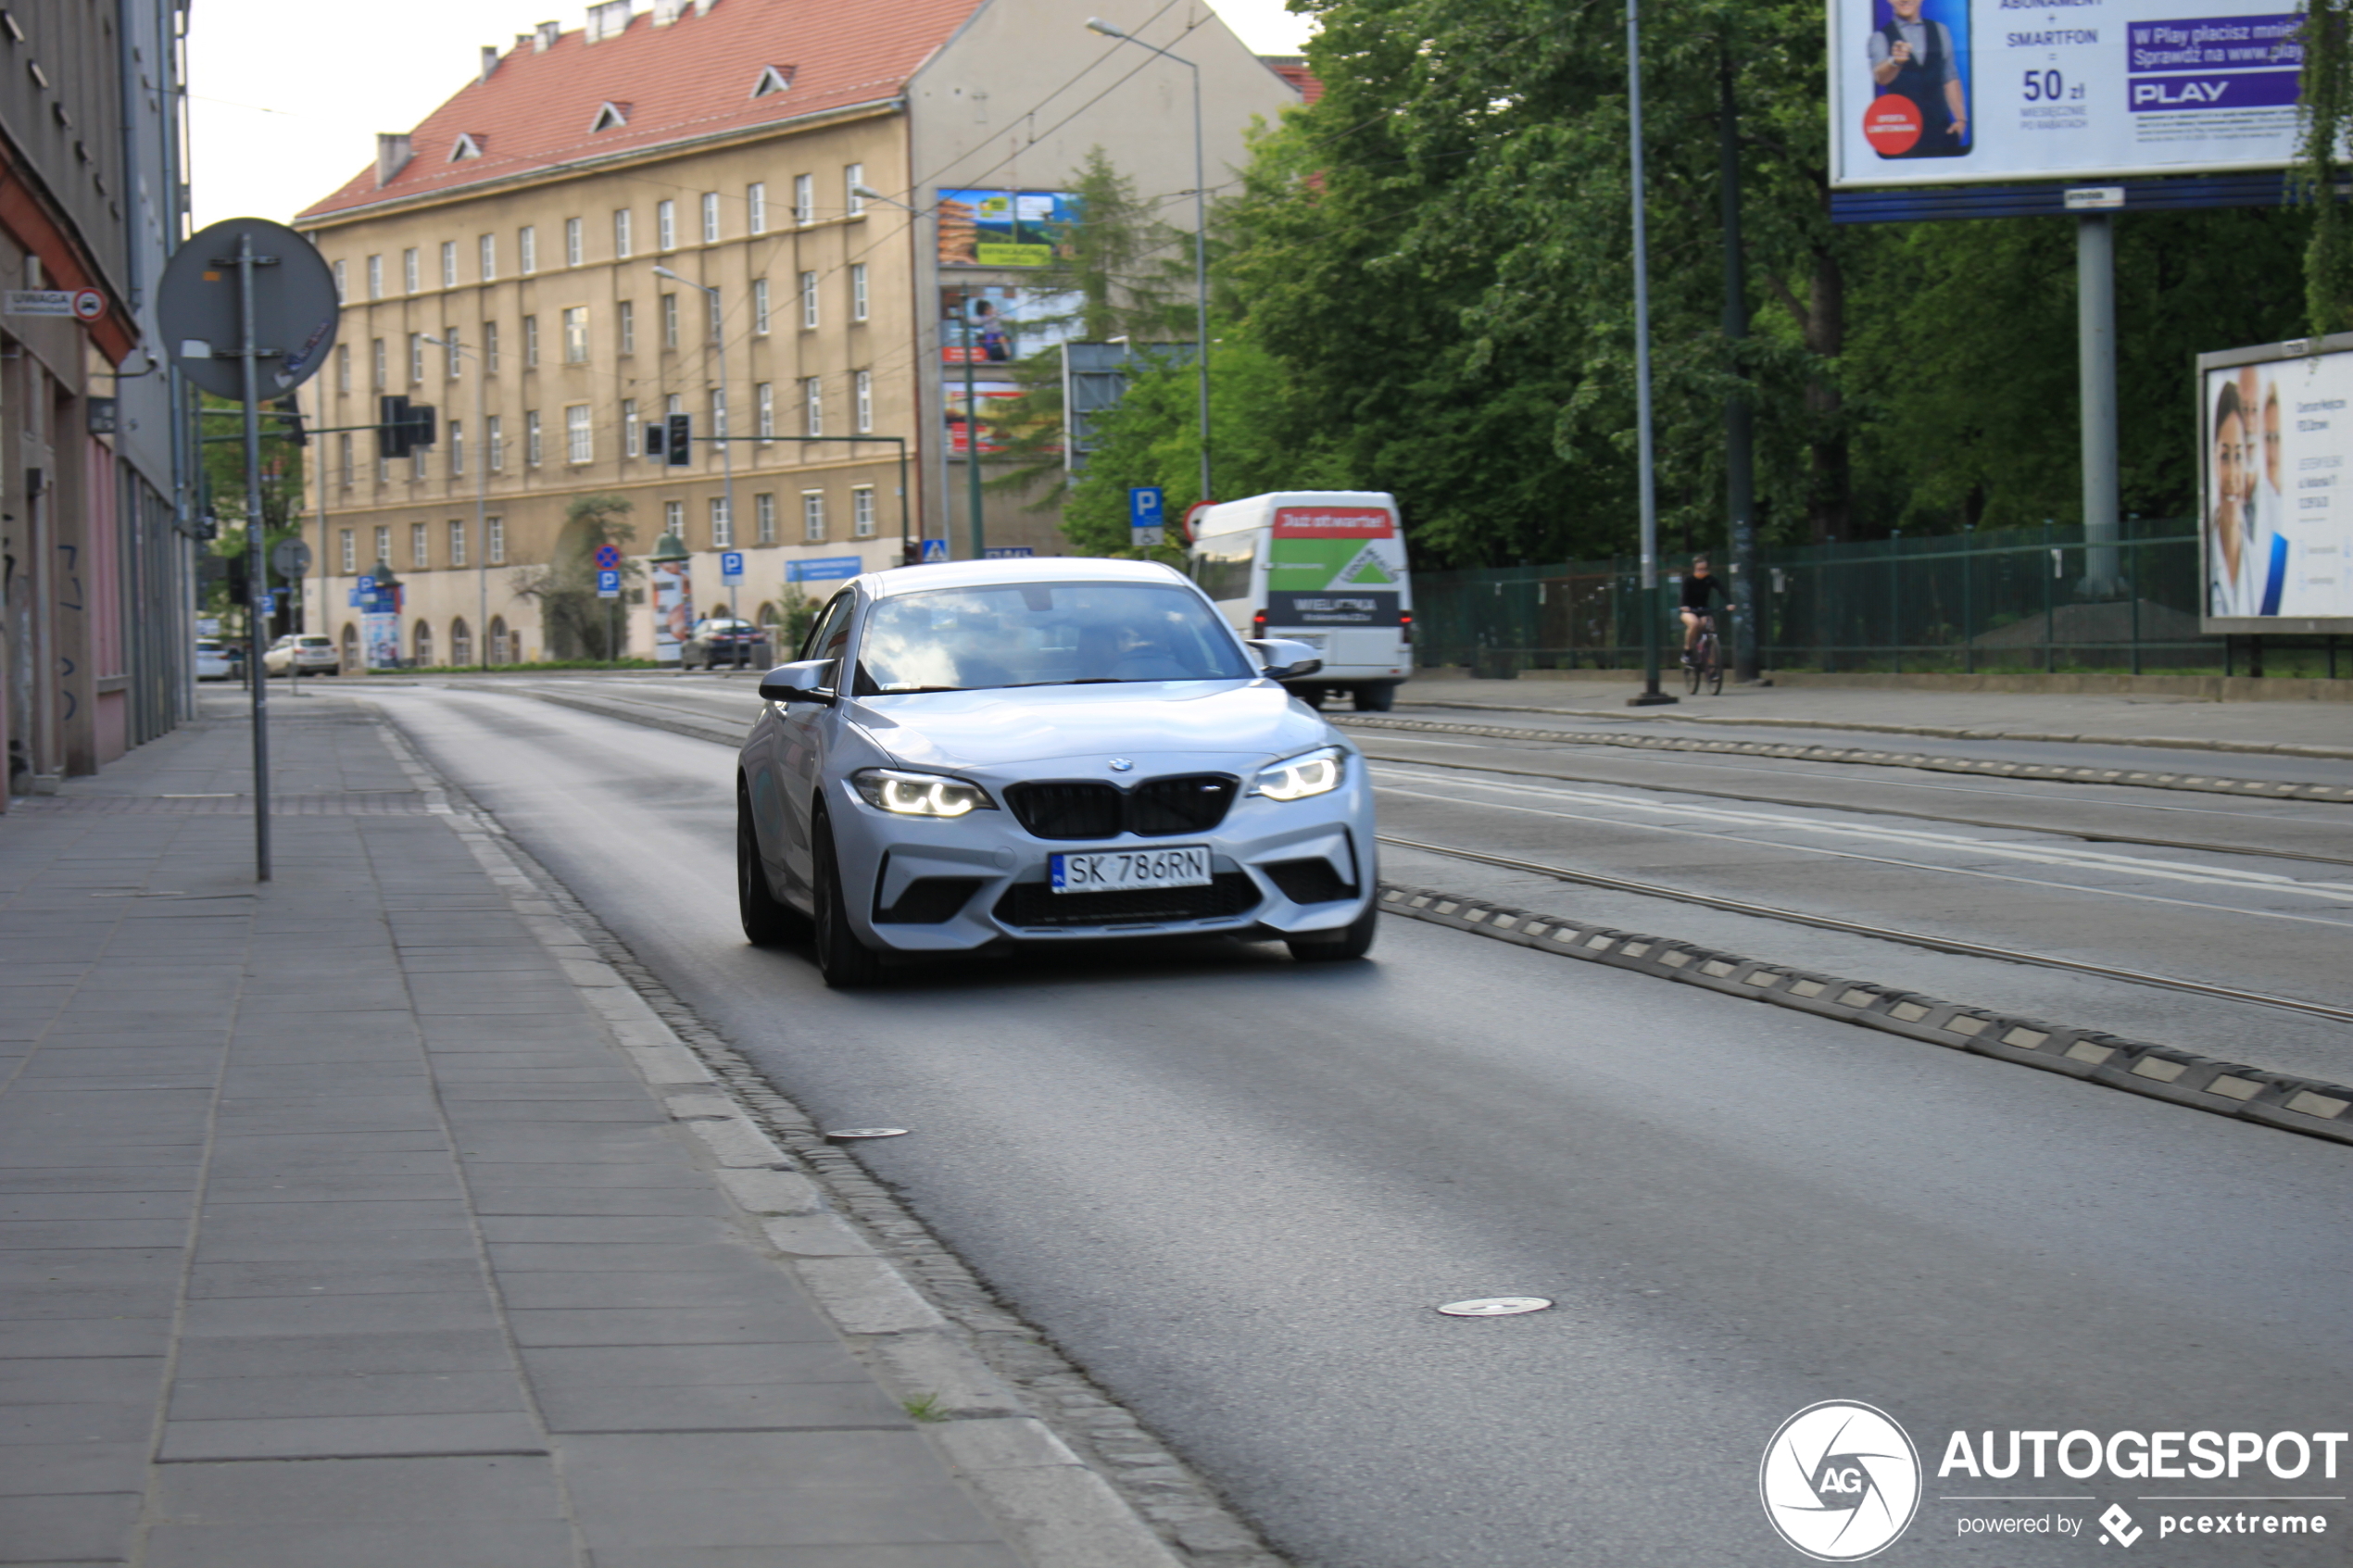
pixel 224 496
pixel 2327 125
pixel 577 623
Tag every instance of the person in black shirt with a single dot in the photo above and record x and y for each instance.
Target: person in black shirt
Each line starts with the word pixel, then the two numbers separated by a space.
pixel 1698 587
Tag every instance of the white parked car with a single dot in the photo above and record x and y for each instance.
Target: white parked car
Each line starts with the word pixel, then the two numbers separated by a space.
pixel 215 660
pixel 1001 753
pixel 306 653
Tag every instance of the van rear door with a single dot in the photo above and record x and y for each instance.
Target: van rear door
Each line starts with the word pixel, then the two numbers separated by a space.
pixel 1338 573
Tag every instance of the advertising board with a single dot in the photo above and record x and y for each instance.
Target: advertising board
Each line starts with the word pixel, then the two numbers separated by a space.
pixel 1952 91
pixel 2276 456
pixel 979 228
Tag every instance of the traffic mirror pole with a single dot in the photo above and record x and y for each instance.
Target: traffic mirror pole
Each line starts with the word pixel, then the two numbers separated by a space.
pixel 259 570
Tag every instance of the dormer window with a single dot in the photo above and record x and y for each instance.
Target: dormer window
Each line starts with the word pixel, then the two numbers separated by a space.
pixel 466 146
pixel 772 80
pixel 610 117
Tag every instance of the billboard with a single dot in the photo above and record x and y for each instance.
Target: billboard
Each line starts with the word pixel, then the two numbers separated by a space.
pixel 2275 427
pixel 1952 91
pixel 1004 227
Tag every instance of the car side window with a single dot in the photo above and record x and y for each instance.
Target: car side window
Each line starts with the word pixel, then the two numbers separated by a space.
pixel 832 619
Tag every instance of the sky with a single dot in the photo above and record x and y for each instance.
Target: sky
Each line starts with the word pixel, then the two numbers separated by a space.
pixel 282 110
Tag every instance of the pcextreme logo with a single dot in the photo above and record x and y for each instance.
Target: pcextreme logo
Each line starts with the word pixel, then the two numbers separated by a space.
pixel 1840 1481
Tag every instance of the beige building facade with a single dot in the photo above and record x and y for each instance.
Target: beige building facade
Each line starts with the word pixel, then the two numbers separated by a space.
pixel 499 263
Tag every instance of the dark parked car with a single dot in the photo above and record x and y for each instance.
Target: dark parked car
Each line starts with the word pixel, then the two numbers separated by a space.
pixel 719 640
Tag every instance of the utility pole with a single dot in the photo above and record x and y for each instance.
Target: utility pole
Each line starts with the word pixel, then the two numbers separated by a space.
pixel 1650 695
pixel 1740 453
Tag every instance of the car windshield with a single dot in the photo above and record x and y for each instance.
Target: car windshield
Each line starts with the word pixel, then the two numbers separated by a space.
pixel 1042 634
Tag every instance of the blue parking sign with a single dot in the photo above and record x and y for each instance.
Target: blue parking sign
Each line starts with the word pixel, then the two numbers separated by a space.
pixel 1145 503
pixel 730 565
pixel 608 584
pixel 367 585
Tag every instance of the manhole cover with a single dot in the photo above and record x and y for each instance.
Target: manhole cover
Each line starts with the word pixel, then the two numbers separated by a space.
pixel 866 1132
pixel 1494 1306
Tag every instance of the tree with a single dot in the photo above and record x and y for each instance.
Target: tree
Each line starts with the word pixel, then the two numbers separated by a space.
pixel 578 625
pixel 223 498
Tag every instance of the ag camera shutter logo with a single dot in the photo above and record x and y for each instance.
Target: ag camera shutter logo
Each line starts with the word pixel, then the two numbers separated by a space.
pixel 1840 1481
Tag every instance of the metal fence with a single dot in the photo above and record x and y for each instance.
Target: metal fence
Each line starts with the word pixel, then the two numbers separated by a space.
pixel 2018 599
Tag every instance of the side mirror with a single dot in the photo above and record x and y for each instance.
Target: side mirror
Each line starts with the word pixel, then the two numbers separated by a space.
pixel 1283 659
pixel 810 680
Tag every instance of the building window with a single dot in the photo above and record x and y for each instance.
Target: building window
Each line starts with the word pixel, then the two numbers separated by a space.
pixel 343 283
pixel 384 466
pixel 669 320
pixel 629 326
pixel 531 343
pixel 375 277
pixel 710 301
pixel 765 407
pixel 449 264
pixel 530 448
pixel 420 546
pixel 813 517
pixel 343 367
pixel 489 247
pixel 861 511
pixel 576 322
pixel 457 542
pixel 863 384
pixel 580 442
pixel 350 548
pixel 461 643
pixel 809 300
pixel 450 351
pixel 621 251
pixel 416 357
pixel 494 432
pixel 495 546
pixel 719 410
pixel 490 348
pixel 760 308
pixel 812 396
pixel 457 448
pixel 527 250
pixel 851 202
pixel 411 276
pixel 665 225
pixel 673 404
pixel 632 438
pixel 342 455
pixel 858 290
pixel 421 641
pixel 723 525
pixel 572 247
pixel 710 218
pixel 763 513
pixel 383 544
pixel 756 207
pixel 378 366
pixel 417 463
pixel 804 199
pixel 673 520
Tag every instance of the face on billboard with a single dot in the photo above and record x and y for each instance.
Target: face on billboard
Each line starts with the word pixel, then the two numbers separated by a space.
pixel 1946 92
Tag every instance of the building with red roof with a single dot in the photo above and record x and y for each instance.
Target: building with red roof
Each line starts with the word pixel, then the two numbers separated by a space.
pixel 660 213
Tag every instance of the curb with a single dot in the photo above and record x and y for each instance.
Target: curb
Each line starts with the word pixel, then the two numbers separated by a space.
pixel 2223 1088
pixel 833 1230
pixel 2270 789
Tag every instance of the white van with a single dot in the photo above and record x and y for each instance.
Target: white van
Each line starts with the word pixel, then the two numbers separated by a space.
pixel 1322 567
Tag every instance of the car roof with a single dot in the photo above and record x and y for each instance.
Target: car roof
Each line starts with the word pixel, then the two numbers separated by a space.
pixel 1026 569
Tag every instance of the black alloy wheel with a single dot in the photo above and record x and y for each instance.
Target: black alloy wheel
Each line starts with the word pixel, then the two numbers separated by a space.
pixel 844 962
pixel 768 921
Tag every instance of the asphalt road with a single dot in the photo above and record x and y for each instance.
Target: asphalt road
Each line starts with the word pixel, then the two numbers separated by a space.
pixel 1233 1188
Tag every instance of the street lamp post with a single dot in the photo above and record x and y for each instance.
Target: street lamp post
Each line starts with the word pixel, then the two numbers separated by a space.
pixel 1650 695
pixel 717 330
pixel 456 346
pixel 1200 239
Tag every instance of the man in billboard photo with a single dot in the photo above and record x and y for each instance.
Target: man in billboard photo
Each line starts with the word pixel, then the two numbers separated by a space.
pixel 1912 57
pixel 2270 532
pixel 2230 559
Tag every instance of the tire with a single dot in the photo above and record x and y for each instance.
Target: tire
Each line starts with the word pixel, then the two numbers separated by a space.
pixel 844 962
pixel 768 921
pixel 1354 941
pixel 1312 696
pixel 1714 671
pixel 1379 697
pixel 1690 672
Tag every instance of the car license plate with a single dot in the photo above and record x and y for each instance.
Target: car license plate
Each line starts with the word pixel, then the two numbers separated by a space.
pixel 1121 871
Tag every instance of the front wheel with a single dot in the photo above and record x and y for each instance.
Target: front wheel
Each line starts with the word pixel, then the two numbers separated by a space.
pixel 1353 941
pixel 844 962
pixel 1691 672
pixel 1714 671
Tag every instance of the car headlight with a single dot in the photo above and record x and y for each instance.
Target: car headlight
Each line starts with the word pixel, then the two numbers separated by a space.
pixel 919 795
pixel 1315 773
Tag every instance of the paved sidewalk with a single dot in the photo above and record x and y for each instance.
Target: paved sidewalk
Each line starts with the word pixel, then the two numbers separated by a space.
pixel 345 1223
pixel 2314 728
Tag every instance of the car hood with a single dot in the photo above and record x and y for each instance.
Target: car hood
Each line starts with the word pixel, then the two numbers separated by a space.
pixel 1018 725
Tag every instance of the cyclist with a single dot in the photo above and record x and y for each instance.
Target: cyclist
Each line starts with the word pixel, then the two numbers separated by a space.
pixel 1698 585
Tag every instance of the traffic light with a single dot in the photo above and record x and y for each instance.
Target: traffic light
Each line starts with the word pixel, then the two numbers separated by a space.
pixel 653 438
pixel 421 425
pixel 680 446
pixel 391 427
pixel 291 406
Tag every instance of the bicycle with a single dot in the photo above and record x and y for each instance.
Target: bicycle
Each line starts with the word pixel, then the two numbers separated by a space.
pixel 1705 660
